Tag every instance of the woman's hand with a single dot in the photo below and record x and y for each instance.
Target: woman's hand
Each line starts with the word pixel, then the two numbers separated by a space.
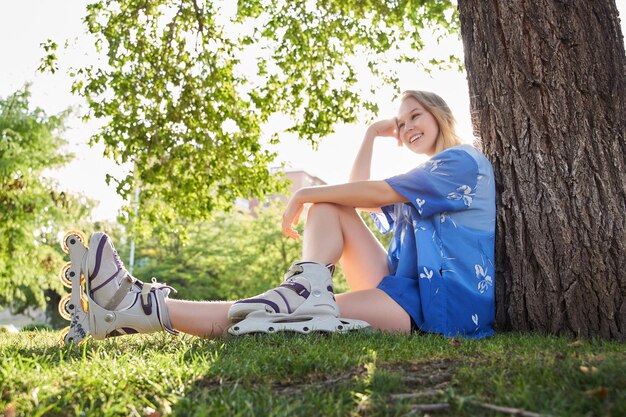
pixel 291 216
pixel 363 161
pixel 385 128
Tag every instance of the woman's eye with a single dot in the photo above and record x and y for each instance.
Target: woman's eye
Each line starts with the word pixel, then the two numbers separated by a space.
pixel 400 126
pixel 416 115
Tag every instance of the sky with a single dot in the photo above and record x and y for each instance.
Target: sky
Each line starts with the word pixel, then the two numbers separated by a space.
pixel 25 24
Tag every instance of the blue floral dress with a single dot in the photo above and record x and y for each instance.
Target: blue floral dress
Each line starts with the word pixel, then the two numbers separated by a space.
pixel 441 258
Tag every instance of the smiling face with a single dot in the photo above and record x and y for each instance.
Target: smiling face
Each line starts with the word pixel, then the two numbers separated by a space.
pixel 417 127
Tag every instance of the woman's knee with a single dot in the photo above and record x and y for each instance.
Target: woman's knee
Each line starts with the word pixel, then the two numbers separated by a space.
pixel 323 208
pixel 329 210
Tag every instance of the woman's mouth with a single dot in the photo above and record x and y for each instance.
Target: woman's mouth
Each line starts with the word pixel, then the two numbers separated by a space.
pixel 415 137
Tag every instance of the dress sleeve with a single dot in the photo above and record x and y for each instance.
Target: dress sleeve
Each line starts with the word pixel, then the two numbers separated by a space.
pixel 447 182
pixel 384 221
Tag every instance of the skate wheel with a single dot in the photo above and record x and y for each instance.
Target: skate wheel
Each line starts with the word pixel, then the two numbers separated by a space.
pixel 84 303
pixel 64 340
pixel 62 335
pixel 66 279
pixel 73 234
pixel 63 275
pixel 66 308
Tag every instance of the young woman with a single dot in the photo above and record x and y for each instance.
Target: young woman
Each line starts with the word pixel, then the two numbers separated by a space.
pixel 436 276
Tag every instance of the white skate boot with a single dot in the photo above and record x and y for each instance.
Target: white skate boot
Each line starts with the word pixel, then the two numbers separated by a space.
pixel 106 300
pixel 304 303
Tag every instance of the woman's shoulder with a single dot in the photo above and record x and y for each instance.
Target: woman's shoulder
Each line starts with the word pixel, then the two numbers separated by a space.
pixel 460 149
pixel 463 151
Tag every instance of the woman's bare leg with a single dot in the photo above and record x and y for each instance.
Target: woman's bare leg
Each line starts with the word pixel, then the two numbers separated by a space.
pixel 332 233
pixel 209 319
pixel 206 319
pixel 335 233
pixel 375 307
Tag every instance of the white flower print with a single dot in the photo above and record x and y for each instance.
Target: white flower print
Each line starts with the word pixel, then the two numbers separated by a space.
pixel 485 280
pixel 464 192
pixel 475 319
pixel 428 274
pixel 445 216
pixel 420 203
pixel 434 167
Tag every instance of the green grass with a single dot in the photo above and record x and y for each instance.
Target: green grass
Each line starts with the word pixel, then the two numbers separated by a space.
pixel 315 375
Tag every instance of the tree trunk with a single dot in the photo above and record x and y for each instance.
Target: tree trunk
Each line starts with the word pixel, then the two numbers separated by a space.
pixel 547 81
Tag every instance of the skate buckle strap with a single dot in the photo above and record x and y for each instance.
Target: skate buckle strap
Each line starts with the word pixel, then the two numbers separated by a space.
pixel 125 284
pixel 297 288
pixel 293 270
pixel 146 301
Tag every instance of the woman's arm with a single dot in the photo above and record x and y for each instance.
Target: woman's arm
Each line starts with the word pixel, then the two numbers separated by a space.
pixel 361 167
pixel 363 162
pixel 353 194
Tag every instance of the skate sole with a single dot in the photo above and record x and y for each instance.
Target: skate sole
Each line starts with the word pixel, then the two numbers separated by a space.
pixel 74 306
pixel 262 323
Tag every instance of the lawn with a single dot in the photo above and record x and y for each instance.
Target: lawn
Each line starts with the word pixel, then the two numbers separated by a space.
pixel 369 374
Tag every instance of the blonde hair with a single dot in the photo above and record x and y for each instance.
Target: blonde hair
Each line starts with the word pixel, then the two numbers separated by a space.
pixel 436 106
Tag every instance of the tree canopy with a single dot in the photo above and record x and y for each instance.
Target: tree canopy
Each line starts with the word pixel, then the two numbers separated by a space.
pixel 32 210
pixel 187 88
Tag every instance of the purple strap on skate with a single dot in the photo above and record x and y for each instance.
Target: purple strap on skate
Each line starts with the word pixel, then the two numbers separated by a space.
pixel 259 300
pixel 96 268
pixel 297 288
pixel 105 282
pixel 147 307
pixel 284 299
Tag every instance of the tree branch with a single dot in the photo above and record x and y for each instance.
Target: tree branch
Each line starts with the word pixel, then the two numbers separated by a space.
pixel 420 408
pixel 419 394
pixel 198 16
pixel 171 27
pixel 509 410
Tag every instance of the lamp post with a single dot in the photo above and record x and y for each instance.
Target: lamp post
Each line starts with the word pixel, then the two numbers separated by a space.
pixel 131 261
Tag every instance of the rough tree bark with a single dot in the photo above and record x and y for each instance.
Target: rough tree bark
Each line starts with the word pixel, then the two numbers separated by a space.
pixel 547 80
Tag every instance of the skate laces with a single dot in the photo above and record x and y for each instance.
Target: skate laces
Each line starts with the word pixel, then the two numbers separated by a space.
pixel 291 283
pixel 294 269
pixel 160 285
pixel 117 259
